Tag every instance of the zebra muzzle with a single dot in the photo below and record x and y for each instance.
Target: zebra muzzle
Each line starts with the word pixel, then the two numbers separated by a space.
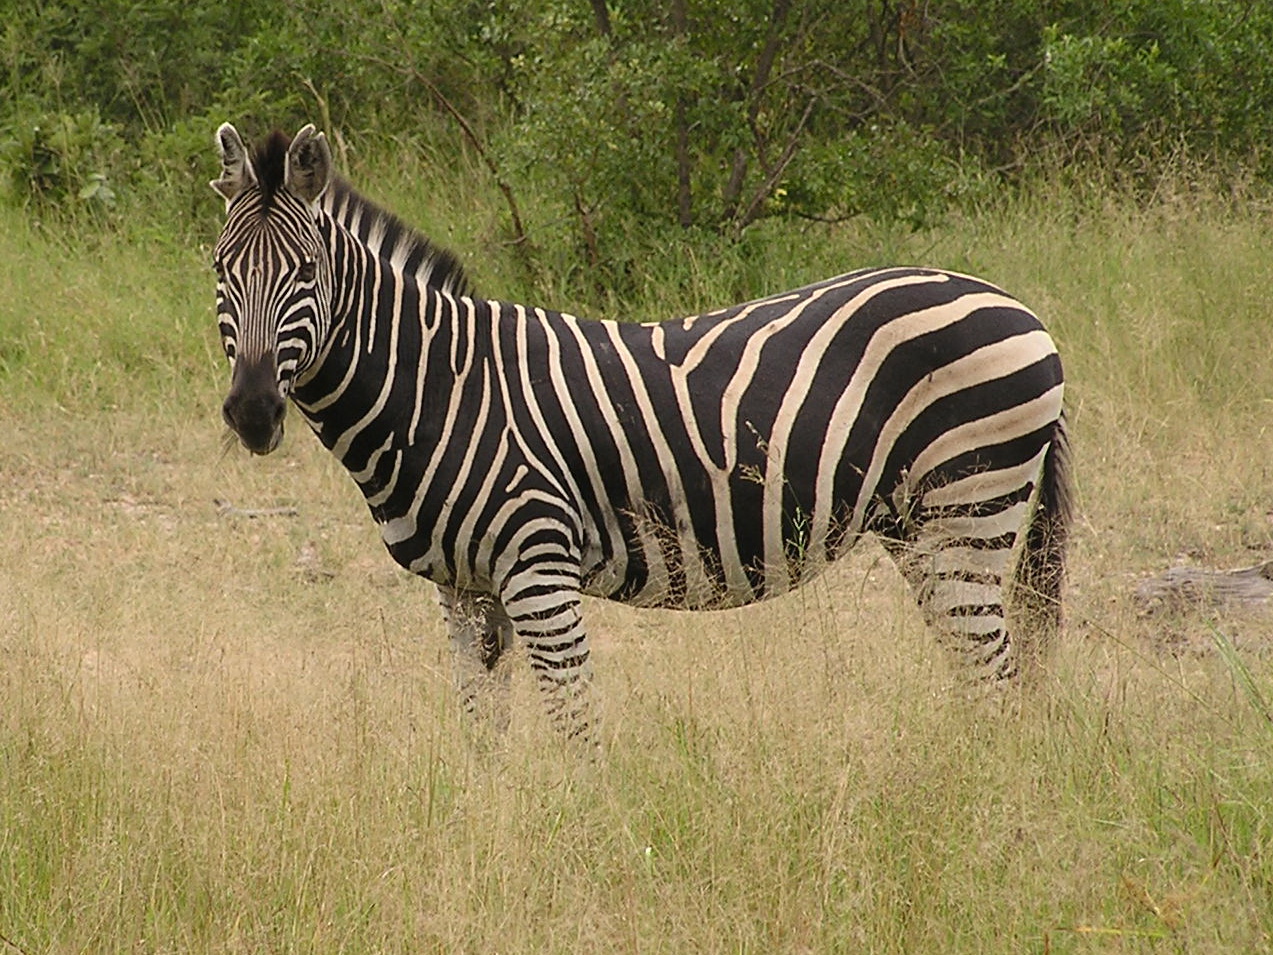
pixel 254 408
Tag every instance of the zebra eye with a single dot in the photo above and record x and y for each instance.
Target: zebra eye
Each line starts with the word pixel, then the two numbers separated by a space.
pixel 307 271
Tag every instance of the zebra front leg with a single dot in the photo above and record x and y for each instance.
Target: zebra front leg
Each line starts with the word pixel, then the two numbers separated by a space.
pixel 480 632
pixel 545 610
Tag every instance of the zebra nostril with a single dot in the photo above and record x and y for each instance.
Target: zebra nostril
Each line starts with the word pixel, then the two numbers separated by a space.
pixel 254 410
pixel 254 406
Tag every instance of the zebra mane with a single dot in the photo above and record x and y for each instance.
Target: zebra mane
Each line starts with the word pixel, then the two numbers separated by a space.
pixel 269 162
pixel 375 226
pixel 391 238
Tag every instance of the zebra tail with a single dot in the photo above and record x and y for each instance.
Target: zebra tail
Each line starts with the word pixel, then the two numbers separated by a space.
pixel 1040 574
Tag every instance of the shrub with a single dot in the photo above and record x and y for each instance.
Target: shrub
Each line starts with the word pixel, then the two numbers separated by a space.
pixel 56 158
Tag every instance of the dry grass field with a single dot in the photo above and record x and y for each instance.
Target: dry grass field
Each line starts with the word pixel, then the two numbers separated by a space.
pixel 228 733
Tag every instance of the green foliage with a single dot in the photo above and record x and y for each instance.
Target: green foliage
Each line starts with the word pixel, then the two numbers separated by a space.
pixel 139 64
pixel 616 122
pixel 896 175
pixel 1102 84
pixel 59 157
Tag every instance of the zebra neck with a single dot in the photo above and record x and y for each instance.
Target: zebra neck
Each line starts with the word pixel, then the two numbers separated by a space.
pixel 397 361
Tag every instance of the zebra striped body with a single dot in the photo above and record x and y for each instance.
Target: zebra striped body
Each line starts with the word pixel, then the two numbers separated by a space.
pixel 519 457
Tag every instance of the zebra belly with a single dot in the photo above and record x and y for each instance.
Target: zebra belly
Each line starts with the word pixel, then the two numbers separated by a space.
pixel 666 566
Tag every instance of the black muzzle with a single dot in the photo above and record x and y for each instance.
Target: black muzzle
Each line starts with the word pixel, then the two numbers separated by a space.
pixel 254 408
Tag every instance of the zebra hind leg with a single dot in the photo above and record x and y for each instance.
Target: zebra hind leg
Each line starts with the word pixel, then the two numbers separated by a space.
pixel 480 633
pixel 958 582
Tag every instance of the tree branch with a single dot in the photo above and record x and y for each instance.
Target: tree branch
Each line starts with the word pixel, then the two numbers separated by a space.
pixel 764 65
pixel 684 197
pixel 601 14
pixel 766 188
pixel 519 231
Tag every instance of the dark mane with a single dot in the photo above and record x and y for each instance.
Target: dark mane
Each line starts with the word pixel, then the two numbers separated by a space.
pixel 430 264
pixel 393 238
pixel 269 162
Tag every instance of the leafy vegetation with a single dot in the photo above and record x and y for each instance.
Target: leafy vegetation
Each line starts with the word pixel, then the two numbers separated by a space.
pixel 620 120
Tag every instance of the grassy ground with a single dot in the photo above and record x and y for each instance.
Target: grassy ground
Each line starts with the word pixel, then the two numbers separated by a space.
pixel 232 734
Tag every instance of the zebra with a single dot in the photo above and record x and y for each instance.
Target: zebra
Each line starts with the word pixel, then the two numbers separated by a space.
pixel 519 457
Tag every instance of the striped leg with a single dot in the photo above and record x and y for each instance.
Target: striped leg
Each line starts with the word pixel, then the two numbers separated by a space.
pixel 956 556
pixel 480 632
pixel 959 588
pixel 543 602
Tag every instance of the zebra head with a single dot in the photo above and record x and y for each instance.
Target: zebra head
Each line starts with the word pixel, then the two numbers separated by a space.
pixel 273 275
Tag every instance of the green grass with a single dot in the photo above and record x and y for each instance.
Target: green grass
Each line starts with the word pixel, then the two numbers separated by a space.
pixel 232 735
pixel 100 322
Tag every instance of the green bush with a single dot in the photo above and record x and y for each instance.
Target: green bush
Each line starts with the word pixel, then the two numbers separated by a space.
pixel 56 158
pixel 610 122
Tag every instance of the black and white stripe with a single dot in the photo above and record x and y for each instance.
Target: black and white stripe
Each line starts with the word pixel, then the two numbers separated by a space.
pixel 520 457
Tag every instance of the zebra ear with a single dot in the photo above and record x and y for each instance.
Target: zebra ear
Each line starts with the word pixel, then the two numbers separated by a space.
pixel 236 169
pixel 309 164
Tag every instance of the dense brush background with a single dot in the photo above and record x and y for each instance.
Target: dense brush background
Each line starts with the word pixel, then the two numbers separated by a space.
pixel 221 733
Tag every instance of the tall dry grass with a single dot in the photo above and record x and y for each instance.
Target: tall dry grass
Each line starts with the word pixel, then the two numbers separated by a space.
pixel 231 734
